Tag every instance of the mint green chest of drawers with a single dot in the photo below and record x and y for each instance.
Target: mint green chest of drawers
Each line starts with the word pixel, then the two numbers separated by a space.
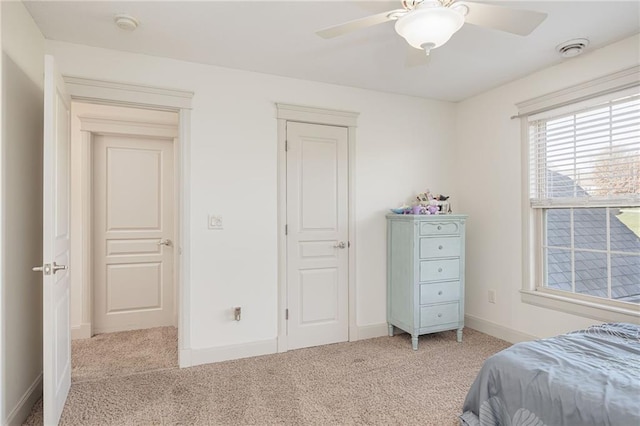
pixel 425 274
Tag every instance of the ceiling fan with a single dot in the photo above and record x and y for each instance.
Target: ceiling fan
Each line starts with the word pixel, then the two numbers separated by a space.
pixel 428 24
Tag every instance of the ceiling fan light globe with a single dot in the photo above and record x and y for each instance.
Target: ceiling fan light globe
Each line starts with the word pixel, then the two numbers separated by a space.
pixel 429 25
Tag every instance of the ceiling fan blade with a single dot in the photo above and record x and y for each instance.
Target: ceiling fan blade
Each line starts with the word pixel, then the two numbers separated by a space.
pixel 377 6
pixel 416 57
pixel 357 24
pixel 521 22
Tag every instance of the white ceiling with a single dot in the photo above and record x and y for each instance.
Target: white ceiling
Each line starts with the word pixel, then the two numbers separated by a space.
pixel 278 37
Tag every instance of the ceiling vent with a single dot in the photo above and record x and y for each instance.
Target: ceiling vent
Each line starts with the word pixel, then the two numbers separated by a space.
pixel 572 48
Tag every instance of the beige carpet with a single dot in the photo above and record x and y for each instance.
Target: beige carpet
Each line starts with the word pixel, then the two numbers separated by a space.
pixel 124 353
pixel 375 382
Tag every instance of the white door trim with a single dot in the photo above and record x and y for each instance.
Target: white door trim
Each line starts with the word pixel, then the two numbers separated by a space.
pixel 313 115
pixel 123 94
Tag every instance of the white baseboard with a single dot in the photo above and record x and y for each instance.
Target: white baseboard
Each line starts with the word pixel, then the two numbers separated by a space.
pixel 22 410
pixel 372 331
pixel 496 330
pixel 226 353
pixel 192 357
pixel 82 331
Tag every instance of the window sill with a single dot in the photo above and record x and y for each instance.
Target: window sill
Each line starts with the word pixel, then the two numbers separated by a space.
pixel 580 307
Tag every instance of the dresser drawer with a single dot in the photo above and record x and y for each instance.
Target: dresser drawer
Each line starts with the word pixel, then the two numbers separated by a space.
pixel 439 269
pixel 439 292
pixel 439 314
pixel 439 228
pixel 439 247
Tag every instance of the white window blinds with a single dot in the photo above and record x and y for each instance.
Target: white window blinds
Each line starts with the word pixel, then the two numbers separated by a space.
pixel 587 154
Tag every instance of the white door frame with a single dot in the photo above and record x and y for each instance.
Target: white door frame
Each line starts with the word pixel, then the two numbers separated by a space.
pixel 312 115
pixel 122 94
pixel 94 124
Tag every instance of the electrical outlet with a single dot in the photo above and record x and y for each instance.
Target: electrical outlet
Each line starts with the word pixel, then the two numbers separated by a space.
pixel 215 222
pixel 492 296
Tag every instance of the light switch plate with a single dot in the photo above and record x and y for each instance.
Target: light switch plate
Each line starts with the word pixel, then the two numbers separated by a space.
pixel 215 222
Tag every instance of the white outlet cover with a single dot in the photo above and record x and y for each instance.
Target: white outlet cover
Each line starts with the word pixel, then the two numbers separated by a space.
pixel 215 222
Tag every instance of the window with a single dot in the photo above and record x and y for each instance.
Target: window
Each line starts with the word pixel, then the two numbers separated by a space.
pixel 584 165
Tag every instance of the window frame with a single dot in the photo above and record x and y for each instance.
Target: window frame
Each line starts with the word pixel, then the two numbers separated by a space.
pixel 533 291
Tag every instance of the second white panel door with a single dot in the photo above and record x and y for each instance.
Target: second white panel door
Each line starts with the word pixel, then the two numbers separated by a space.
pixel 317 246
pixel 133 233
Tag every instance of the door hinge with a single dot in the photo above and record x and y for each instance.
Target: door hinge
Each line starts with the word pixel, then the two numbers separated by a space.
pixel 286 230
pixel 286 146
pixel 286 314
pixel 348 243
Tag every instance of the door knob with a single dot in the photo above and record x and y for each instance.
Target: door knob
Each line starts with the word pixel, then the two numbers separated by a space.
pixel 48 269
pixel 166 242
pixel 45 269
pixel 340 245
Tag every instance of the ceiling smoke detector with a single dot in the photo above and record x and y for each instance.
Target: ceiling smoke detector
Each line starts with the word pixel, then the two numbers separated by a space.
pixel 572 48
pixel 126 22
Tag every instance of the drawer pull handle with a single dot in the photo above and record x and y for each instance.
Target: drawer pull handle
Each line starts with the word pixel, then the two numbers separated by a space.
pixel 439 247
pixel 439 315
pixel 439 227
pixel 439 269
pixel 440 293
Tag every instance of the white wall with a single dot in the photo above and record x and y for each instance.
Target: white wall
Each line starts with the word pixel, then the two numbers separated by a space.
pixel 22 99
pixel 489 189
pixel 404 145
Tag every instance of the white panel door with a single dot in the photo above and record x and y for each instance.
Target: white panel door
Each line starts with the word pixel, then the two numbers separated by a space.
pixel 56 308
pixel 133 233
pixel 317 247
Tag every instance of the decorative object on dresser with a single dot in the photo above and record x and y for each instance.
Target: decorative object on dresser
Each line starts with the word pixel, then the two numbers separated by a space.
pixel 425 274
pixel 426 203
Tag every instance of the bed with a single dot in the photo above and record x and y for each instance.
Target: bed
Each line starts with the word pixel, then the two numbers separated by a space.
pixel 586 377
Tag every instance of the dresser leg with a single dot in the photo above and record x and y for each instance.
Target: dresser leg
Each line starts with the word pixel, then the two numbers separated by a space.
pixel 390 330
pixel 459 335
pixel 414 341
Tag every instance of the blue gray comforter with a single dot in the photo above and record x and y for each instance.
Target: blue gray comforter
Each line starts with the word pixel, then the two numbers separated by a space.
pixel 587 377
